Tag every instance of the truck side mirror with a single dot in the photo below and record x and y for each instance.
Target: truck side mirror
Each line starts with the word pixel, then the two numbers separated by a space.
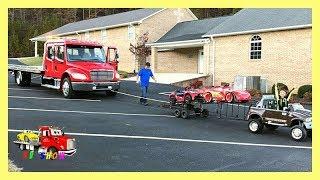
pixel 116 56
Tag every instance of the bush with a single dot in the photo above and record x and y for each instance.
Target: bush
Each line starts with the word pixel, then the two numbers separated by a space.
pixel 304 89
pixel 281 86
pixel 307 97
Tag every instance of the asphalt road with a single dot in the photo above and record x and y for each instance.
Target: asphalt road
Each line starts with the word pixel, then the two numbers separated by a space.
pixel 118 134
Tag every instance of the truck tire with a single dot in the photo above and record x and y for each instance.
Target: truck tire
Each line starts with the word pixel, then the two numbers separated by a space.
pixel 298 133
pixel 66 88
pixel 255 126
pixel 111 93
pixel 177 113
pixel 271 127
pixel 185 114
pixel 22 78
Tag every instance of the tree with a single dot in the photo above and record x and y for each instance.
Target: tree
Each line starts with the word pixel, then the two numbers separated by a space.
pixel 140 50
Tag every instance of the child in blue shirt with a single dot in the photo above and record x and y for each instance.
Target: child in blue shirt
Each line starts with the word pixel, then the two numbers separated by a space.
pixel 144 75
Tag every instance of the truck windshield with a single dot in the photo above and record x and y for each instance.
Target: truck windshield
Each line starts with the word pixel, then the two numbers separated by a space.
pixel 86 53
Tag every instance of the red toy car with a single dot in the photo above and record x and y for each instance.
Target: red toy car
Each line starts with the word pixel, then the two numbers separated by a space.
pixel 186 96
pixel 226 94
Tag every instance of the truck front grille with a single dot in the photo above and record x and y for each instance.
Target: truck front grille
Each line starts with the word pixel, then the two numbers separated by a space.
pixel 71 144
pixel 101 75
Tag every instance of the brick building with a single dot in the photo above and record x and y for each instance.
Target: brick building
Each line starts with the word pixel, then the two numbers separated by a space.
pixel 274 44
pixel 121 29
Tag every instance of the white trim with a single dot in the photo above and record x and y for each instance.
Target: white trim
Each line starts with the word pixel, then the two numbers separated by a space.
pixel 188 42
pixel 260 30
pixel 191 13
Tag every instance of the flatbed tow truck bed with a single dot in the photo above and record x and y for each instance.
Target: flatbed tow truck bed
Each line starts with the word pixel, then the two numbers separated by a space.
pixel 25 68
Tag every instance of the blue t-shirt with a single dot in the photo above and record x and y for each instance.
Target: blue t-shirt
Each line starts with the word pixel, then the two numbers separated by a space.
pixel 145 75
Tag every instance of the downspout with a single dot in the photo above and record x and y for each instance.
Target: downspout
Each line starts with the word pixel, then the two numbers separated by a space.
pixel 213 60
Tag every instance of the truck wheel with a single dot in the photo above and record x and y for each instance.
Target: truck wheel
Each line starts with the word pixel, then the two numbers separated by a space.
pixel 23 78
pixel 255 126
pixel 298 133
pixel 18 78
pixel 111 93
pixel 52 150
pixel 177 113
pixel 229 97
pixel 66 88
pixel 185 114
pixel 271 127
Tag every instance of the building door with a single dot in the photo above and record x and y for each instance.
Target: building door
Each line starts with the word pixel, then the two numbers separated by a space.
pixel 200 62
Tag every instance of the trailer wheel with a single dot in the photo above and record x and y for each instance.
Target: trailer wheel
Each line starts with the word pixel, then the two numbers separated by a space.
pixel 271 127
pixel 177 113
pixel 255 126
pixel 185 114
pixel 204 113
pixel 298 133
pixel 66 88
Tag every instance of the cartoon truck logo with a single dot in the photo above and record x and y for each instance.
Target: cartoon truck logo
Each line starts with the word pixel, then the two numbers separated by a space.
pixel 48 140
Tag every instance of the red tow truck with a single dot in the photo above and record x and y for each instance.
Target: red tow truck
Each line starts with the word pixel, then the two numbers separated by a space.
pixel 50 140
pixel 72 65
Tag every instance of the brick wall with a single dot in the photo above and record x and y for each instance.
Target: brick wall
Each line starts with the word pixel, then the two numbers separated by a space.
pixel 286 57
pixel 178 61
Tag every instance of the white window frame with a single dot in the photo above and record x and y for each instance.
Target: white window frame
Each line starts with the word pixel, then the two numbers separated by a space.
pixel 131 32
pixel 104 35
pixel 255 39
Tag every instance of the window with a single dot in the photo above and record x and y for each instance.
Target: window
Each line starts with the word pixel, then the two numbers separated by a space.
pixel 131 32
pixel 256 44
pixel 85 53
pixel 104 35
pixel 50 52
pixel 60 52
pixel 86 36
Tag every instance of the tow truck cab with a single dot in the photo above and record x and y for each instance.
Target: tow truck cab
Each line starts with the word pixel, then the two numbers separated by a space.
pixel 73 65
pixel 54 140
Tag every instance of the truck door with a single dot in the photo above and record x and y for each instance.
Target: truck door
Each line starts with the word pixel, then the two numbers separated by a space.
pixel 277 116
pixel 112 57
pixel 48 60
pixel 59 61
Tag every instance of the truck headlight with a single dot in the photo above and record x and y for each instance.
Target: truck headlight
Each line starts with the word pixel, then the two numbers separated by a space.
pixel 117 75
pixel 309 119
pixel 79 76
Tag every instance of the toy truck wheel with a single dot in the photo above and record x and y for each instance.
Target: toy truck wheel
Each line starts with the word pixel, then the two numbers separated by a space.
pixel 185 114
pixel 271 127
pixel 204 113
pixel 111 93
pixel 188 99
pixel 229 97
pixel 66 88
pixel 208 97
pixel 172 100
pixel 22 147
pixel 177 113
pixel 298 133
pixel 255 126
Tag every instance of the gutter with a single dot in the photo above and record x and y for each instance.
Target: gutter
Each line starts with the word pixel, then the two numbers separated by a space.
pixel 260 30
pixel 177 43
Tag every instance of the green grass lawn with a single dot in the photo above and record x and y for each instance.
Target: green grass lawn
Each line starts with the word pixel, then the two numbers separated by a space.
pixel 32 61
